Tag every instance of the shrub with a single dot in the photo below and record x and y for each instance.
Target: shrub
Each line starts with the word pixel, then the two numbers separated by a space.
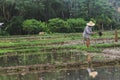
pixel 33 26
pixel 76 25
pixel 58 25
pixel 3 33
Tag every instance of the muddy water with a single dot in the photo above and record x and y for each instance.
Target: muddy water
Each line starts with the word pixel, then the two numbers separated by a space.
pixel 51 58
pixel 104 73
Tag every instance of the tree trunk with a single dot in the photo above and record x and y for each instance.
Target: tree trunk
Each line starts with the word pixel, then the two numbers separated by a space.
pixel 111 28
pixel 4 12
pixel 102 27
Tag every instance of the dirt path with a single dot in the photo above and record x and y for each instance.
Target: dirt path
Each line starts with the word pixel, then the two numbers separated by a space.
pixel 108 54
pixel 112 53
pixel 93 41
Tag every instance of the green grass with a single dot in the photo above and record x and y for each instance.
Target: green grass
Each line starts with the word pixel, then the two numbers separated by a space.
pixel 106 45
pixel 23 45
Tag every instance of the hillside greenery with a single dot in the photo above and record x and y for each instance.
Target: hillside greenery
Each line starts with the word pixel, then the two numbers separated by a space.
pixel 33 16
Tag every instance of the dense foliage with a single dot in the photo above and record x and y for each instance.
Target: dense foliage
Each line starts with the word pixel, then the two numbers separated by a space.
pixel 33 26
pixel 106 14
pixel 76 25
pixel 58 25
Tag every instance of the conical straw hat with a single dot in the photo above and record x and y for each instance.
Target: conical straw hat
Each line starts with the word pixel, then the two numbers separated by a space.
pixel 90 23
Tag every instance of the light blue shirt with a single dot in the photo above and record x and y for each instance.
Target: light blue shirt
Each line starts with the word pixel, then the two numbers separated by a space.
pixel 87 32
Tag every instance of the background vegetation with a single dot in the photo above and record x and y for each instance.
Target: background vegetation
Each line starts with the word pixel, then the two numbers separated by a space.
pixel 32 16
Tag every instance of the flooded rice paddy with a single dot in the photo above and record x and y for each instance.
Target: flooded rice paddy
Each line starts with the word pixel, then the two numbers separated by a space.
pixel 58 57
pixel 104 73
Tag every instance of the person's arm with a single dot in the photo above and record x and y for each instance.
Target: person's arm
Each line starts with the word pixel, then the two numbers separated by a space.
pixel 88 30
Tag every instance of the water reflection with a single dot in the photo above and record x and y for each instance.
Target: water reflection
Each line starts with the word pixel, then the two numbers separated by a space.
pixel 105 73
pixel 43 58
pixel 92 73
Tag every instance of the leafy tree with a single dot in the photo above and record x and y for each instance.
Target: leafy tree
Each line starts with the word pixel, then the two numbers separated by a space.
pixel 14 27
pixel 7 9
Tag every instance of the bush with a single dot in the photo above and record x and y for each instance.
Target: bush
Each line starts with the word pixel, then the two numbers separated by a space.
pixel 76 25
pixel 33 26
pixel 3 33
pixel 14 27
pixel 58 25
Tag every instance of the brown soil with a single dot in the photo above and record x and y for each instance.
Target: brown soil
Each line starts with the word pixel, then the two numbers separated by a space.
pixel 112 53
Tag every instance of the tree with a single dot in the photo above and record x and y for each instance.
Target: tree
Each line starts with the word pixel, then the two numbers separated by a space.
pixel 7 9
pixel 14 27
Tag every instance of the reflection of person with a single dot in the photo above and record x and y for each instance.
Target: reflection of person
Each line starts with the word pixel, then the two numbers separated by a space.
pixel 91 71
pixel 92 74
pixel 88 31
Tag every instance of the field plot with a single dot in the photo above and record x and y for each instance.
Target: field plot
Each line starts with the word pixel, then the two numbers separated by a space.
pixel 56 51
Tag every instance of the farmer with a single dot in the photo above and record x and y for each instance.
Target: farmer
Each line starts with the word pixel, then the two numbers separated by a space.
pixel 88 31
